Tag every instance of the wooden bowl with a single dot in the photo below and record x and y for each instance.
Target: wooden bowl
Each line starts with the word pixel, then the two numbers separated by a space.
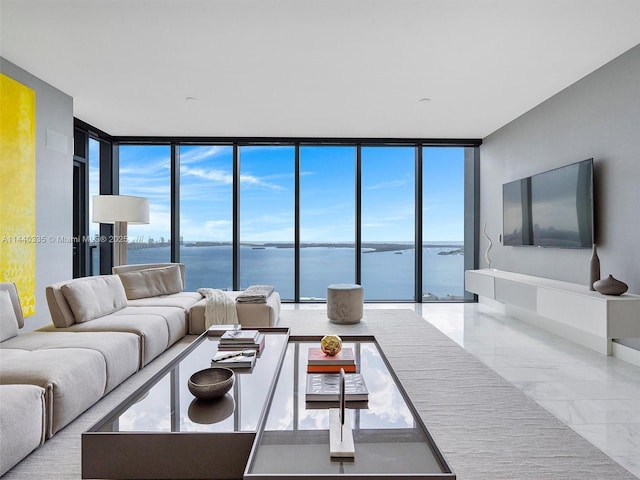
pixel 211 383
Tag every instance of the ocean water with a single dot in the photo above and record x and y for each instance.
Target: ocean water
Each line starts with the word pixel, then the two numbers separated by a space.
pixel 386 275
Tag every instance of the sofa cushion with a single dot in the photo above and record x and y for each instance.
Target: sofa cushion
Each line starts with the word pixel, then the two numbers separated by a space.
pixel 15 300
pixel 94 297
pixel 174 318
pixel 157 327
pixel 61 314
pixel 121 350
pixel 143 266
pixel 22 423
pixel 152 282
pixel 73 379
pixel 183 300
pixel 8 320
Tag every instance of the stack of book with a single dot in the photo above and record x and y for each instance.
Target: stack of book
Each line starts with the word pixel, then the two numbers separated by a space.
pixel 234 358
pixel 319 362
pixel 242 340
pixel 325 387
pixel 238 348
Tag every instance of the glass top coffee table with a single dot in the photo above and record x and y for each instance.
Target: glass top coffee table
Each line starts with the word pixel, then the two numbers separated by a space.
pixel 163 431
pixel 262 428
pixel 390 439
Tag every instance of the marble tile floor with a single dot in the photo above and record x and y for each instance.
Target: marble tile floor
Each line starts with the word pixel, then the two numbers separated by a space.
pixel 595 395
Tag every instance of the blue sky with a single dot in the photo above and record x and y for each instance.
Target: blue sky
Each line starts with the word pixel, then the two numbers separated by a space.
pixel 327 192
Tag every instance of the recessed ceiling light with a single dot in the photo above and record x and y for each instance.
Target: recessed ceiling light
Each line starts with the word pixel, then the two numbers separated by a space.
pixel 425 99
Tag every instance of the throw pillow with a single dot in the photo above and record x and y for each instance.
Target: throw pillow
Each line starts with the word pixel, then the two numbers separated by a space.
pixel 93 297
pixel 152 282
pixel 8 320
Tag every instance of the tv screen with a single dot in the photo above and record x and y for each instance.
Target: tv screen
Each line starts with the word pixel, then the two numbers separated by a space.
pixel 551 209
pixel 516 198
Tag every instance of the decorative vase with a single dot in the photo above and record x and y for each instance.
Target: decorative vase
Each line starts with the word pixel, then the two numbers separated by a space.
pixel 594 268
pixel 486 254
pixel 610 286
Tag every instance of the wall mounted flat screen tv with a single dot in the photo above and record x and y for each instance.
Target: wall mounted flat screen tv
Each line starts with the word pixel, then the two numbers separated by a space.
pixel 551 209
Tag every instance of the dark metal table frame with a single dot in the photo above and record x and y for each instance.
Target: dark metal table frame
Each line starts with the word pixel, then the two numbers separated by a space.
pixel 314 440
pixel 110 453
pixel 173 454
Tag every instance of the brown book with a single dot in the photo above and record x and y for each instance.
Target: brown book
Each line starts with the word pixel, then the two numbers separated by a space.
pixel 344 357
pixel 330 368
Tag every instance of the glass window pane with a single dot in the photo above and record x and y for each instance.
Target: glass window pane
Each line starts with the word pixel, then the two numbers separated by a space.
pixel 443 224
pixel 327 218
pixel 145 171
pixel 206 215
pixel 267 196
pixel 94 189
pixel 388 223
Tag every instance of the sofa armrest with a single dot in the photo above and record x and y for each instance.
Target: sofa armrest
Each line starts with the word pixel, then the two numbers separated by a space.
pixel 22 422
pixel 15 301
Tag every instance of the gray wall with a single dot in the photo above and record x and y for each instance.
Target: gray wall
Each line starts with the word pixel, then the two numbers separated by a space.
pixel 599 117
pixel 54 185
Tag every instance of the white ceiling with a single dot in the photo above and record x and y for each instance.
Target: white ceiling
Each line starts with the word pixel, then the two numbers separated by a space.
pixel 312 68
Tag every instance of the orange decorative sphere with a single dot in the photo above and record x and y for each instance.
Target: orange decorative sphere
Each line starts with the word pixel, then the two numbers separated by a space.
pixel 331 344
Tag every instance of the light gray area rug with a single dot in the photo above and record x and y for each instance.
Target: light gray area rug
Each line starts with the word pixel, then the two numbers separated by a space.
pixel 486 428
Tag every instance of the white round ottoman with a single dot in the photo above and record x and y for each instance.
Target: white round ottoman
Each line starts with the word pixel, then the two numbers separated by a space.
pixel 344 303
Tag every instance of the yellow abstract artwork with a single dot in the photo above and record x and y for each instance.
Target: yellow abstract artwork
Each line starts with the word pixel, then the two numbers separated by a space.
pixel 18 189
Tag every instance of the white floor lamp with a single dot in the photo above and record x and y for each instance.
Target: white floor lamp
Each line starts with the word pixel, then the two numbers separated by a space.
pixel 120 210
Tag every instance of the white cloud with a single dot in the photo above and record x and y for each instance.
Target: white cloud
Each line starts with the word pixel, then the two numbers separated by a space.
pixel 195 155
pixel 225 178
pixel 217 224
pixel 374 224
pixel 389 184
pixel 216 176
pixel 218 230
pixel 253 180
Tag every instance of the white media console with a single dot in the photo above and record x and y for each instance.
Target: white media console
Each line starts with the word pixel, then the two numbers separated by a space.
pixel 567 309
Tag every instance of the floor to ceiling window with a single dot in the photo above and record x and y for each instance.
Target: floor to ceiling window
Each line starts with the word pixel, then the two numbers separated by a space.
pixel 388 222
pixel 443 223
pixel 206 215
pixel 267 220
pixel 92 175
pixel 94 189
pixel 299 215
pixel 327 218
pixel 145 171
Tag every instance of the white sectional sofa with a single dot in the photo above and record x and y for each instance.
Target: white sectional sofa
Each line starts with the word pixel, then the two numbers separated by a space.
pixel 104 329
pixel 249 314
pixel 70 372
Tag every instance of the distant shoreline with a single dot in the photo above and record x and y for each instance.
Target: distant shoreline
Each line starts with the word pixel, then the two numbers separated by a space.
pixel 388 274
pixel 372 247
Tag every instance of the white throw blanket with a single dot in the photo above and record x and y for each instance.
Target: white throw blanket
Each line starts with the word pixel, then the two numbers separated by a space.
pixel 219 308
pixel 255 294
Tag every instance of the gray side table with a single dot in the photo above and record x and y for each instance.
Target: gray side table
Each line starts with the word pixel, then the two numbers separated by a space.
pixel 344 303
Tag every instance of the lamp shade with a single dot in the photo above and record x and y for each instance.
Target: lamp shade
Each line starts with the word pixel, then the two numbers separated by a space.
pixel 120 208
